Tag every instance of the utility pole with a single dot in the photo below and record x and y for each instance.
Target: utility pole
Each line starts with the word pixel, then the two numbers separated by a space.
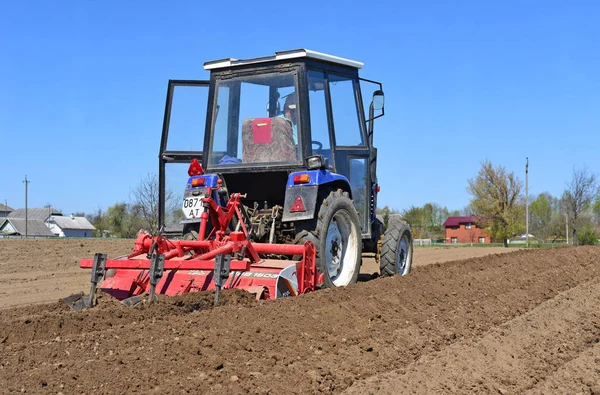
pixel 26 220
pixel 527 200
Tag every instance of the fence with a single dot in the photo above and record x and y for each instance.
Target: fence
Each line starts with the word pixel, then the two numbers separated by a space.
pixel 422 242
pixel 28 237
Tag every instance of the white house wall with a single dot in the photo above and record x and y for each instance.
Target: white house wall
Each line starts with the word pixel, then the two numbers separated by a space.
pixel 8 228
pixel 55 229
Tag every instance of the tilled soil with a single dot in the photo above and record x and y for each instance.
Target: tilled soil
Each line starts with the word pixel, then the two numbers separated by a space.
pixel 45 270
pixel 522 322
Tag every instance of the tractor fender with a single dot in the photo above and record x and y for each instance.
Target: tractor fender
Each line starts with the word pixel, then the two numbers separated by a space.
pixel 301 195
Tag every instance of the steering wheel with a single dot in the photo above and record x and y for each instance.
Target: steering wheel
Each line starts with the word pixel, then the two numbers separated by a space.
pixel 318 144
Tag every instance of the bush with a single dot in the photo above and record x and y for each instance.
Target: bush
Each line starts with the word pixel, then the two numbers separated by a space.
pixel 587 236
pixel 537 244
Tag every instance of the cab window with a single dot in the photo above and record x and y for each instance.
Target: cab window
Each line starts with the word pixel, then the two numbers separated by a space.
pixel 255 121
pixel 346 122
pixel 319 127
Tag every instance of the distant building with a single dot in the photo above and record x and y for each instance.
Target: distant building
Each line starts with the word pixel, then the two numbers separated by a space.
pixel 70 226
pixel 465 230
pixel 34 213
pixel 5 210
pixel 16 227
pixel 44 222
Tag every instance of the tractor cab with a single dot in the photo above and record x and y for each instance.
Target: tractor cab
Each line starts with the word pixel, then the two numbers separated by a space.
pixel 288 139
pixel 260 122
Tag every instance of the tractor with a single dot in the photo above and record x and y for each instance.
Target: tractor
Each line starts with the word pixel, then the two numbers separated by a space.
pixel 281 184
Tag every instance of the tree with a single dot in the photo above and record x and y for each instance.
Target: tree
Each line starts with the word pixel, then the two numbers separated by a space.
pixel 414 217
pixel 558 222
pixel 540 216
pixel 145 202
pixel 498 201
pixel 123 220
pixel 116 216
pixel 426 221
pixel 385 214
pixel 596 211
pixel 588 235
pixel 578 196
pixel 466 211
pixel 439 214
pixel 99 221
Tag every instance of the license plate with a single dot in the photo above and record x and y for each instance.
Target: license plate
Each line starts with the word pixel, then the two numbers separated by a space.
pixel 192 207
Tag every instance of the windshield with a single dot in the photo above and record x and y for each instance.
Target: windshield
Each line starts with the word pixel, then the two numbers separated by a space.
pixel 255 121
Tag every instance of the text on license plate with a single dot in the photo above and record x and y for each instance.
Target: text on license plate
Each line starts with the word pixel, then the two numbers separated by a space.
pixel 192 207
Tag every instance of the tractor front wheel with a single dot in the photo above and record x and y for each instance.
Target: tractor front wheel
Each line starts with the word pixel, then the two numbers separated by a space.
pixel 337 238
pixel 397 250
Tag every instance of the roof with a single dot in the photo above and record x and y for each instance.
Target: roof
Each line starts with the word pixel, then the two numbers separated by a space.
pixel 456 221
pixel 35 227
pixel 34 213
pixel 68 222
pixel 282 55
pixel 4 207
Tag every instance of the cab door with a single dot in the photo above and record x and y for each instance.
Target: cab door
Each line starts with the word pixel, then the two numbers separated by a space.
pixel 182 140
pixel 349 139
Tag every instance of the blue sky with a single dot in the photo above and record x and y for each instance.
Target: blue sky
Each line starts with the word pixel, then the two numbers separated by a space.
pixel 84 84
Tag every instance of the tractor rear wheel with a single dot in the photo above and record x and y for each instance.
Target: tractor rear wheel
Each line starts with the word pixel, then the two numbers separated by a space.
pixel 397 250
pixel 337 239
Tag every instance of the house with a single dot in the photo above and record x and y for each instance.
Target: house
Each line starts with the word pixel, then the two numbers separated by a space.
pixel 70 226
pixel 34 213
pixel 45 222
pixel 16 227
pixel 465 230
pixel 5 210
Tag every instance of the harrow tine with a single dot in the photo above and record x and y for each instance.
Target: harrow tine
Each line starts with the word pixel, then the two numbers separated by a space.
pixel 78 301
pixel 157 267
pixel 221 273
pixel 97 273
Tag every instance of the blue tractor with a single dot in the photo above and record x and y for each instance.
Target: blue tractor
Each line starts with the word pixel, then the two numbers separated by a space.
pixel 290 133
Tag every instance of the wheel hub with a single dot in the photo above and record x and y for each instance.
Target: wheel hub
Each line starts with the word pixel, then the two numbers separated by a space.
pixel 334 249
pixel 402 255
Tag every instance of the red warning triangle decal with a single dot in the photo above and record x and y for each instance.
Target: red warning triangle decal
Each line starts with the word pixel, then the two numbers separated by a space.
pixel 298 205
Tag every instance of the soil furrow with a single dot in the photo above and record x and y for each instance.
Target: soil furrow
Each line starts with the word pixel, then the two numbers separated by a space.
pixel 510 358
pixel 317 343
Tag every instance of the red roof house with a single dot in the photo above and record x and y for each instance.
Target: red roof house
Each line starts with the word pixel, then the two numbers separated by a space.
pixel 465 230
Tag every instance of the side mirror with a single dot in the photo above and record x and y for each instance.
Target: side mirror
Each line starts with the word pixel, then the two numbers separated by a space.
pixel 378 100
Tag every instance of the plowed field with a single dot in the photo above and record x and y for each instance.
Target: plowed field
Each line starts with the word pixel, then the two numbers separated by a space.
pixel 517 322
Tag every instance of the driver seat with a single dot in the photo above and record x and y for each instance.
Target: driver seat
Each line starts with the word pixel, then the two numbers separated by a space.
pixel 267 140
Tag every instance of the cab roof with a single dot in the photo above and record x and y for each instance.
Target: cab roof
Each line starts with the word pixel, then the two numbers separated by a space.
pixel 282 55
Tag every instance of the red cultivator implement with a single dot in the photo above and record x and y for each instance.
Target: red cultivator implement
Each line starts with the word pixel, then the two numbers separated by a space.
pixel 225 259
